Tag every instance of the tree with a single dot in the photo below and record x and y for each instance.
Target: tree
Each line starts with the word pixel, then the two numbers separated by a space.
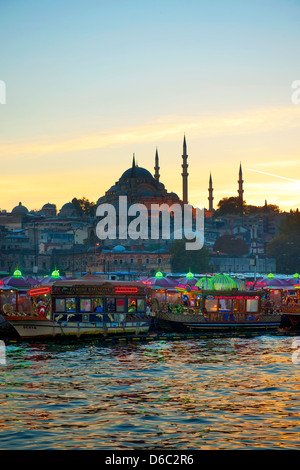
pixel 230 205
pixel 285 248
pixel 286 251
pixel 183 260
pixel 231 245
pixel 84 207
pixel 290 225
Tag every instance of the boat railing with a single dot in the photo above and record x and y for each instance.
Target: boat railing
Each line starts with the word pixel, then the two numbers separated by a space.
pixel 217 316
pixel 291 308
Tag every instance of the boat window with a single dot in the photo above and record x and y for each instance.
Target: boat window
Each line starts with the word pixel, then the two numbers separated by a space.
pixel 24 304
pixel 85 305
pixel 70 304
pixel 8 302
pixel 140 305
pixel 60 305
pixel 225 305
pixel 252 305
pixel 131 305
pixel 110 304
pixel 211 305
pixel 98 305
pixel 120 305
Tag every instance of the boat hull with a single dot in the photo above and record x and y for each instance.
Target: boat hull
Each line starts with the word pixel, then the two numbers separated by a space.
pixel 192 322
pixel 39 328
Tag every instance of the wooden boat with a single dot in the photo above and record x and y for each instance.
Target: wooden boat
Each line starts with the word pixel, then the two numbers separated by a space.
pixel 86 306
pixel 291 311
pixel 199 310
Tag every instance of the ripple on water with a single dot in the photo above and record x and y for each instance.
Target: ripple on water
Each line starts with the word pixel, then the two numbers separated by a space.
pixel 227 393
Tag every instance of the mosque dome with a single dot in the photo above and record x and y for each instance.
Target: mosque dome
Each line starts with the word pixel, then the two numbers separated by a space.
pixel 20 209
pixel 49 209
pixel 48 206
pixel 68 210
pixel 139 172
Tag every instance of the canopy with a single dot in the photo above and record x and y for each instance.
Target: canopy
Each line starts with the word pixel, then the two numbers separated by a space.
pixel 270 283
pixel 19 282
pixel 223 282
pixel 163 282
pixel 205 283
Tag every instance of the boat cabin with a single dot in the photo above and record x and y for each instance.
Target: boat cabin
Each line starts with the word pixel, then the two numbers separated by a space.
pixel 88 300
pixel 194 300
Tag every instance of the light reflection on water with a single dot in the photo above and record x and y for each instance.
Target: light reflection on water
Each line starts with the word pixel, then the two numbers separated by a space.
pixel 218 393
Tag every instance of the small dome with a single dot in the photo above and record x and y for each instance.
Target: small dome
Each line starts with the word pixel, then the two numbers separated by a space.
pixel 205 283
pixel 20 209
pixel 68 209
pixel 223 282
pixel 118 249
pixel 49 209
pixel 17 273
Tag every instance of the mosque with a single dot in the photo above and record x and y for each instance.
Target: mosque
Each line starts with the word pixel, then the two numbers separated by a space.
pixel 140 186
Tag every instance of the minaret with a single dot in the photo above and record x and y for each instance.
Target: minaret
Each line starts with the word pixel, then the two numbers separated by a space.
pixel 210 195
pixel 132 180
pixel 156 168
pixel 184 174
pixel 240 190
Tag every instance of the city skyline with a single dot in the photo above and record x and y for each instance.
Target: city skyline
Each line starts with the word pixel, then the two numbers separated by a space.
pixel 90 84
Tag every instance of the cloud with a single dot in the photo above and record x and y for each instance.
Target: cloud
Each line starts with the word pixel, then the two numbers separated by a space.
pixel 165 128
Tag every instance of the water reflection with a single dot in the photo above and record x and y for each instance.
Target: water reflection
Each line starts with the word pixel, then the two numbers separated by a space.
pixel 200 394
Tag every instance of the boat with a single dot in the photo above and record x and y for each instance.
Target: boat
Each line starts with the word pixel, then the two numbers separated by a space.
pixel 216 305
pixel 291 310
pixel 86 306
pixel 9 305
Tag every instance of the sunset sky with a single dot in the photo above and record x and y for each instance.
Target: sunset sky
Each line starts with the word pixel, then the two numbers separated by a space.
pixel 89 83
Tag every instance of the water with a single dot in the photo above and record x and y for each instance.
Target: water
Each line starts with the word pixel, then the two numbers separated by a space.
pixel 210 393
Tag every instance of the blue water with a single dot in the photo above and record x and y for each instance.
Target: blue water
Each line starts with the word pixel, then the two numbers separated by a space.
pixel 210 393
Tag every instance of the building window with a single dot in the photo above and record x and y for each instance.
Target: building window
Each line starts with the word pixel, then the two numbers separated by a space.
pixel 131 260
pixel 159 260
pixel 147 260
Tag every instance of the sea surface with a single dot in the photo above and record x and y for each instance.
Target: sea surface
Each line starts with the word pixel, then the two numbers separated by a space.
pixel 231 392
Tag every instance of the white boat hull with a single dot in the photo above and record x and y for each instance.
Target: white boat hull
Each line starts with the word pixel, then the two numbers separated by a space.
pixel 35 328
